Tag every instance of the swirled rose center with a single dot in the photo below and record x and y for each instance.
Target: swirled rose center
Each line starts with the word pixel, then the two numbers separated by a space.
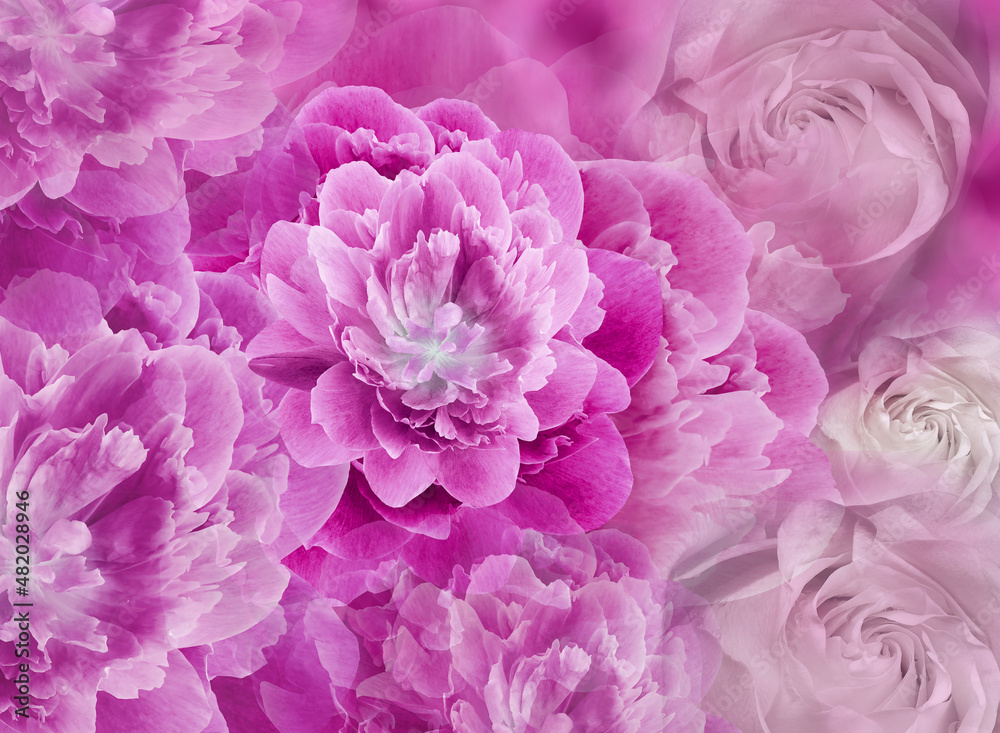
pixel 937 414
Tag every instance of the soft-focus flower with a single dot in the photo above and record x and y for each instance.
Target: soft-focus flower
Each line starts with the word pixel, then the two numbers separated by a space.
pixel 922 416
pixel 150 494
pixel 90 87
pixel 133 273
pixel 847 126
pixel 884 622
pixel 495 628
pixel 717 429
pixel 440 321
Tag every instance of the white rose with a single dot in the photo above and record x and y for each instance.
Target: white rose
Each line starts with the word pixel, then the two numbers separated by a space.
pixel 921 417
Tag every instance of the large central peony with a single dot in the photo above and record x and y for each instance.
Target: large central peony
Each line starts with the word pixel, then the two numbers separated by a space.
pixel 437 307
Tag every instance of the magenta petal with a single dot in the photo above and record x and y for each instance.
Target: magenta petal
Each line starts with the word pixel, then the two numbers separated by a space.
pixel 475 534
pixel 593 482
pixel 342 405
pixel 610 393
pixel 480 476
pixel 399 60
pixel 285 243
pixel 355 530
pixel 633 321
pixel 566 388
pixel 794 374
pixel 354 186
pixel 150 187
pixel 239 705
pixel 457 114
pixel 397 480
pixel 157 709
pixel 547 164
pixel 322 28
pixel 428 514
pixel 540 510
pixel 352 108
pixel 307 442
pixel 298 370
pixel 311 497
pixel 55 305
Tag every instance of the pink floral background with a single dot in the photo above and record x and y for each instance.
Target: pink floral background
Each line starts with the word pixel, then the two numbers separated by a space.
pixel 508 366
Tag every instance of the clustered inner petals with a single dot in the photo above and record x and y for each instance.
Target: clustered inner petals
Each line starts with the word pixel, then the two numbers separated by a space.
pixel 455 327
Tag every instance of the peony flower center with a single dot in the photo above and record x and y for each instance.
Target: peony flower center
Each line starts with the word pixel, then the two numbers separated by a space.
pixel 437 350
pixel 53 25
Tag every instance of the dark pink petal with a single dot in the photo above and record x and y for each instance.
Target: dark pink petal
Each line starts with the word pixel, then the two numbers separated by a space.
pixel 355 186
pixel 59 307
pixel 475 534
pixel 150 187
pixel 630 334
pixel 593 482
pixel 308 443
pixel 429 513
pixel 311 496
pixel 477 185
pixel 342 404
pixel 355 530
pixel 538 509
pixel 712 249
pixel 350 108
pixel 299 370
pixel 480 476
pixel 565 389
pixel 239 705
pixel 796 379
pixel 157 709
pixel 396 481
pixel 548 165
pixel 456 115
pixel 285 244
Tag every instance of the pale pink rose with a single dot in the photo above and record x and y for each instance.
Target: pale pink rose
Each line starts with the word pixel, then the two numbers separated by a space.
pixel 922 416
pixel 863 623
pixel 848 126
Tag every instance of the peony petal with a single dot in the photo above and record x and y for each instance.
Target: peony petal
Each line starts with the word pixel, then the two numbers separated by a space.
pixel 396 481
pixel 629 336
pixel 342 405
pixel 480 476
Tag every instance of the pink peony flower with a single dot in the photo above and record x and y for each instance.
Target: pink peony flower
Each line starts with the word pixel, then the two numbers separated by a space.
pixel 717 429
pixel 95 272
pixel 440 321
pixel 495 628
pixel 883 620
pixel 92 92
pixel 150 485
